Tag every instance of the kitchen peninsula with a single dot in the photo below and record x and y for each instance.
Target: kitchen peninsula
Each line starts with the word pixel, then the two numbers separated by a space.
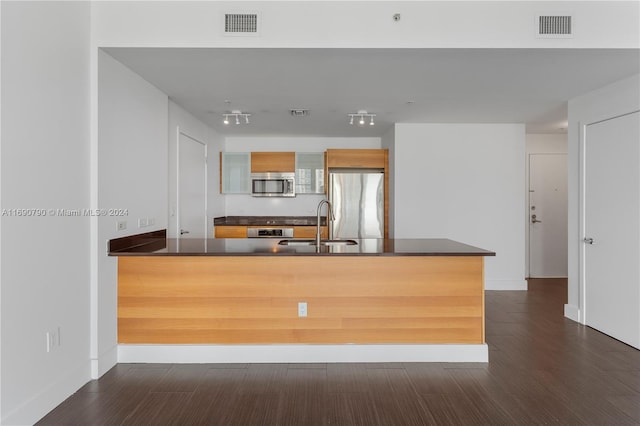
pixel 255 300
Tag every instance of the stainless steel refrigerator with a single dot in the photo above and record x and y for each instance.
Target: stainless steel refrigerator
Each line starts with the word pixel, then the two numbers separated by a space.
pixel 357 199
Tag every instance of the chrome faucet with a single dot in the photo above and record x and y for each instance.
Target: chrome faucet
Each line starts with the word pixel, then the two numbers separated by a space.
pixel 330 216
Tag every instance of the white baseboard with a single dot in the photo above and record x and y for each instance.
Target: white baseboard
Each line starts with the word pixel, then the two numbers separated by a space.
pixel 302 353
pixel 49 397
pixel 572 312
pixel 105 362
pixel 505 285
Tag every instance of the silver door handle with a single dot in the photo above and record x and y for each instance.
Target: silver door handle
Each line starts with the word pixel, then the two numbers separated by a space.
pixel 589 241
pixel 182 232
pixel 534 220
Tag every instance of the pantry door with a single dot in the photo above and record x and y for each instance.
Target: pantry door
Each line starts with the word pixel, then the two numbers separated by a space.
pixel 192 187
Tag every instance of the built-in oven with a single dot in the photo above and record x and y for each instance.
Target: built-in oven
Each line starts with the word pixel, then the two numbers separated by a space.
pixel 273 184
pixel 269 232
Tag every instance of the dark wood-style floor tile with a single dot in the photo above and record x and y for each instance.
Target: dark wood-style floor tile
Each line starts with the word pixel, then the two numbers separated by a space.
pixel 432 378
pixel 392 380
pixel 306 408
pixel 596 410
pixel 70 411
pixel 182 378
pixel 352 408
pixel 159 408
pixel 347 378
pixel 248 409
pixel 264 378
pixel 629 405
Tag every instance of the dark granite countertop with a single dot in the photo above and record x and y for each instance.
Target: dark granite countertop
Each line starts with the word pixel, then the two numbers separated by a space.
pixel 268 221
pixel 153 244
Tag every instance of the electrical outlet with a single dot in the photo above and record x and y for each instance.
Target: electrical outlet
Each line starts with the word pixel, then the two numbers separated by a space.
pixel 151 221
pixel 52 339
pixel 121 225
pixel 142 222
pixel 302 309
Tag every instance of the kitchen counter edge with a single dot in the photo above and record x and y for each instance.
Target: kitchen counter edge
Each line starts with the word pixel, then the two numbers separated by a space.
pixel 156 244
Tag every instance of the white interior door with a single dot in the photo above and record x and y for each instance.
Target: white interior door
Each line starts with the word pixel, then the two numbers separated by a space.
pixel 612 227
pixel 547 215
pixel 192 188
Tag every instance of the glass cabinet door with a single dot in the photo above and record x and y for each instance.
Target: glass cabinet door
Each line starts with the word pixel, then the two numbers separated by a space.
pixel 309 172
pixel 236 172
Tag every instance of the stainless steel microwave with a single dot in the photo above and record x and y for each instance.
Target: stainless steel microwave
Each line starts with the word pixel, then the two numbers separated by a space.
pixel 273 184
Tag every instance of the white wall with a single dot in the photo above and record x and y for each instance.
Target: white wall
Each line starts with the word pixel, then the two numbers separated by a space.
pixel 468 24
pixel 302 205
pixel 607 102
pixel 465 182
pixel 555 143
pixel 539 144
pixel 132 174
pixel 44 165
pixel 182 121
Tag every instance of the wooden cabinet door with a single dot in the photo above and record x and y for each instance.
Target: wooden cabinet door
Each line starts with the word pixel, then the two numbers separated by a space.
pixel 308 232
pixel 357 158
pixel 231 231
pixel 262 162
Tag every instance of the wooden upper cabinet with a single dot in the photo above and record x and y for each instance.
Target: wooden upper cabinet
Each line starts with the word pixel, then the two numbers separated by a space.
pixel 357 158
pixel 273 162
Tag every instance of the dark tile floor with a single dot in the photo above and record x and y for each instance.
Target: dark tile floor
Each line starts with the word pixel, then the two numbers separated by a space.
pixel 543 369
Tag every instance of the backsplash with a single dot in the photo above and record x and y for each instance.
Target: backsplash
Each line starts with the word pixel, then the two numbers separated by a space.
pixel 246 205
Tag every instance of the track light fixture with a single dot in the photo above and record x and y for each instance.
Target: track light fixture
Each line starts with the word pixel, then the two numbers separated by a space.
pixel 361 116
pixel 237 115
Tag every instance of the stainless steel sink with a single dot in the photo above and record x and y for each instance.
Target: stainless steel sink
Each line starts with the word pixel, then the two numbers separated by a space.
pixel 297 242
pixel 338 243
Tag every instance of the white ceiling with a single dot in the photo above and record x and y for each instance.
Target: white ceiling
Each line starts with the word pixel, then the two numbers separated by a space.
pixel 529 86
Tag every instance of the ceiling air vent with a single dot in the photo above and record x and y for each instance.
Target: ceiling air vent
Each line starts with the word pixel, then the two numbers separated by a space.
pixel 241 24
pixel 550 26
pixel 299 112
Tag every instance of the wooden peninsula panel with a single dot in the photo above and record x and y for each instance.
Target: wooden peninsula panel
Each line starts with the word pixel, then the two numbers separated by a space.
pixel 253 299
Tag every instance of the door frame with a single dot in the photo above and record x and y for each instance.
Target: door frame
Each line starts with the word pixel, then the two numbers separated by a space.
pixel 180 133
pixel 582 212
